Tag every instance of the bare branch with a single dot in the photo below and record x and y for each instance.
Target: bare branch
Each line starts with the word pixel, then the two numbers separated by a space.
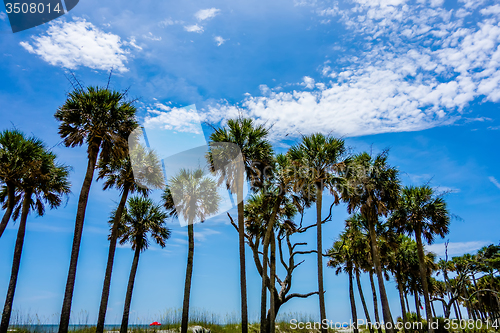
pixel 300 295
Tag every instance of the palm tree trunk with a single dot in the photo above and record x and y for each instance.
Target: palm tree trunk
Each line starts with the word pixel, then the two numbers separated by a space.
pixel 77 237
pixel 7 309
pixel 265 252
pixel 111 256
pixel 407 303
pixel 187 284
pixel 378 269
pixel 470 310
pixel 433 310
pixel 11 202
pixel 417 306
pixel 375 301
pixel 319 244
pixel 401 298
pixel 423 277
pixel 365 308
pixel 241 241
pixel 130 288
pixel 353 302
pixel 272 310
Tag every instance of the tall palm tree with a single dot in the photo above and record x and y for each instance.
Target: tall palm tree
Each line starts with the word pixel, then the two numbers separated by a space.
pixel 266 212
pixel 256 152
pixel 16 157
pixel 193 196
pixel 403 263
pixel 361 254
pixel 141 220
pixel 342 256
pixel 421 213
pixel 45 183
pixel 102 120
pixel 263 213
pixel 119 174
pixel 372 187
pixel 318 157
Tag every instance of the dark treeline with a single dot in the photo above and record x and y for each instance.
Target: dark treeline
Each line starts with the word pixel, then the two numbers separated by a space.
pixel 385 235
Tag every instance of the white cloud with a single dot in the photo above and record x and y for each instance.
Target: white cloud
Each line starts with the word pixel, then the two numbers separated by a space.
pixel 172 118
pixel 494 181
pixel 132 42
pixel 152 37
pixel 491 10
pixel 456 248
pixel 420 68
pixel 219 40
pixel 308 82
pixel 169 21
pixel 3 16
pixel 194 28
pixel 78 43
pixel 206 14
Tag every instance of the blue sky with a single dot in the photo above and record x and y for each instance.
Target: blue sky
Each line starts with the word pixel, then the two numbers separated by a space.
pixel 420 77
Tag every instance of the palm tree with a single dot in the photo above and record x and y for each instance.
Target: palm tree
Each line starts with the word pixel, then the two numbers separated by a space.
pixel 193 196
pixel 256 152
pixel 403 262
pixel 421 213
pixel 342 256
pixel 361 245
pixel 102 120
pixel 119 174
pixel 16 157
pixel 265 212
pixel 142 218
pixel 45 183
pixel 318 157
pixel 372 187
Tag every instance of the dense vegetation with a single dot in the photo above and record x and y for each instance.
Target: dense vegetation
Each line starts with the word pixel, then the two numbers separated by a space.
pixel 384 237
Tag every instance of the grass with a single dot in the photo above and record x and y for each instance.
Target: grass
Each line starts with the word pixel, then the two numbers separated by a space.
pixel 170 319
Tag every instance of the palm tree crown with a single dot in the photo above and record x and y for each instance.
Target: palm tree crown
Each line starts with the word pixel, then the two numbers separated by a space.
pixel 143 218
pixel 420 209
pixel 99 117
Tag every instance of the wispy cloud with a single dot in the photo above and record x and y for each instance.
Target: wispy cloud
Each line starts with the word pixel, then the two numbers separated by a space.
pixel 456 248
pixel 494 181
pixel 219 40
pixel 421 67
pixel 78 43
pixel 132 42
pixel 445 189
pixel 206 14
pixel 168 21
pixel 150 36
pixel 3 16
pixel 194 28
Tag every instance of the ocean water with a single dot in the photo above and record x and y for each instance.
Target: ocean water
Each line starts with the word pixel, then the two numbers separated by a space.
pixel 54 328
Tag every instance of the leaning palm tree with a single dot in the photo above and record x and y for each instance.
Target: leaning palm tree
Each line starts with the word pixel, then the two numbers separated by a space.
pixel 372 188
pixel 102 120
pixel 142 218
pixel 424 215
pixel 194 197
pixel 119 174
pixel 318 158
pixel 16 157
pixel 45 183
pixel 256 152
